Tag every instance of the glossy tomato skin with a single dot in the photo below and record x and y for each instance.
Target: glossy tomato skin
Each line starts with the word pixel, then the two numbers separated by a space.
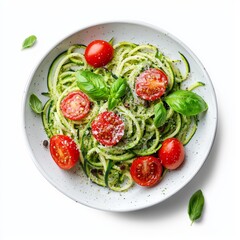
pixel 99 53
pixel 75 105
pixel 151 84
pixel 171 153
pixel 64 151
pixel 146 171
pixel 108 128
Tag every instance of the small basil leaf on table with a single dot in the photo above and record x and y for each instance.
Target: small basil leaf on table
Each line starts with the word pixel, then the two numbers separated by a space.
pixel 186 102
pixel 92 84
pixel 118 90
pixel 160 114
pixel 35 104
pixel 29 41
pixel 195 206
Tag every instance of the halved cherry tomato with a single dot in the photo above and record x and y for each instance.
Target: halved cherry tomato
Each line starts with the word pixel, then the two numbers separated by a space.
pixel 151 84
pixel 75 105
pixel 108 128
pixel 146 171
pixel 64 151
pixel 171 153
pixel 99 53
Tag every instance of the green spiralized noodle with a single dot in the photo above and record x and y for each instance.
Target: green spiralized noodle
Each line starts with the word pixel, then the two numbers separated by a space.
pixel 109 166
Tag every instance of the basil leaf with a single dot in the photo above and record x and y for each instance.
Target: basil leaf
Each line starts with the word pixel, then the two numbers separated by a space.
pixel 186 102
pixel 112 103
pixel 195 206
pixel 92 84
pixel 35 104
pixel 118 90
pixel 160 114
pixel 29 41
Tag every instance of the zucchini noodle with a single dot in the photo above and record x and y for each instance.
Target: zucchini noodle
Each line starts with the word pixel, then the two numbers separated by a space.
pixel 109 166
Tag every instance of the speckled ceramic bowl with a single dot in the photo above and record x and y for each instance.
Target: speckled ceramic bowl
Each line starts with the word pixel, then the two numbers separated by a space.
pixel 77 186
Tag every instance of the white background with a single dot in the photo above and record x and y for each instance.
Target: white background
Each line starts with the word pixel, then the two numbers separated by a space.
pixel 31 208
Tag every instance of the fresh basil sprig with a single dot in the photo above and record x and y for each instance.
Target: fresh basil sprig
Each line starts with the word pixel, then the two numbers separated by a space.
pixel 186 102
pixel 118 90
pixel 95 87
pixel 195 206
pixel 29 41
pixel 35 104
pixel 160 114
pixel 92 84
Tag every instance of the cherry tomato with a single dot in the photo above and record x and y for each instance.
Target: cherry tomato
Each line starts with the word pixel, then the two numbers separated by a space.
pixel 99 53
pixel 151 84
pixel 146 171
pixel 64 151
pixel 108 128
pixel 75 105
pixel 171 153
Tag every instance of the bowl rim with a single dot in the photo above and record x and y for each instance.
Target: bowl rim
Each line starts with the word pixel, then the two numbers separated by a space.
pixel 84 27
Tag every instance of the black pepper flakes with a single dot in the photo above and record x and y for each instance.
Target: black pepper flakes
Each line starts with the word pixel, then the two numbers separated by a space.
pixel 122 167
pixel 94 172
pixel 126 105
pixel 45 143
pixel 146 104
pixel 91 104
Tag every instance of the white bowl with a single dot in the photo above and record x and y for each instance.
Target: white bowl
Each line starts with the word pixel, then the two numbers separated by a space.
pixel 77 186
